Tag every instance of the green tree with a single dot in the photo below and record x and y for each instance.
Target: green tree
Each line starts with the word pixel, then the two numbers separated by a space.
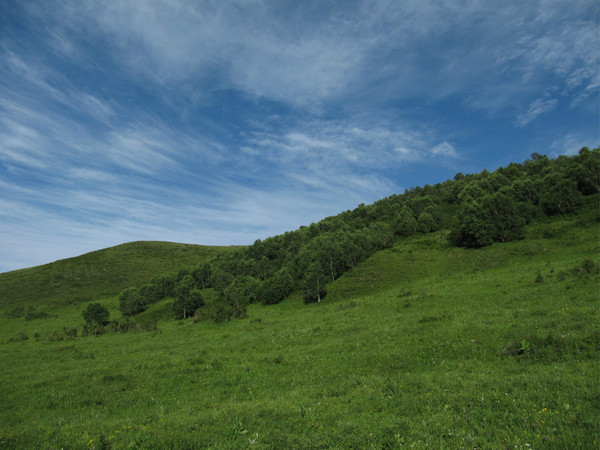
pixel 560 195
pixel 187 302
pixel 495 218
pixel 405 223
pixel 165 284
pixel 184 287
pixel 378 236
pixel 472 230
pixel 425 222
pixel 586 171
pixel 504 217
pixel 220 279
pixel 96 314
pixel 201 274
pixel 314 284
pixel 241 292
pixel 276 288
pixel 131 302
pixel 151 293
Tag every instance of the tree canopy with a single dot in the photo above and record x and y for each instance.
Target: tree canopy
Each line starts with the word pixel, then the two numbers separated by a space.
pixel 476 210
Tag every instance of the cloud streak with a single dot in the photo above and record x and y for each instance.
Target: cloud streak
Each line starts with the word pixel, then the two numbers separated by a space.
pixel 539 106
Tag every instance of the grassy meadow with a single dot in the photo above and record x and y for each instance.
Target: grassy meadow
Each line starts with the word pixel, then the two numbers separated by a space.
pixel 421 345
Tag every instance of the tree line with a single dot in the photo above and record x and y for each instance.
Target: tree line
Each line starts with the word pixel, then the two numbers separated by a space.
pixel 476 209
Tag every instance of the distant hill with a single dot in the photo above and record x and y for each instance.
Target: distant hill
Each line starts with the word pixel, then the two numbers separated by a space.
pixel 100 273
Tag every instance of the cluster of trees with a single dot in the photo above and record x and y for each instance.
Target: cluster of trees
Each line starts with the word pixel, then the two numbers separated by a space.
pixel 478 210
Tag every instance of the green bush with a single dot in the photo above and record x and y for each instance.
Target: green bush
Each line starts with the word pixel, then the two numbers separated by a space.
pixel 131 302
pixel 216 312
pixel 95 314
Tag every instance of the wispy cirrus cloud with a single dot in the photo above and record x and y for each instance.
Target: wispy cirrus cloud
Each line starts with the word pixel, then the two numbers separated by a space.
pixel 344 143
pixel 539 106
pixel 307 56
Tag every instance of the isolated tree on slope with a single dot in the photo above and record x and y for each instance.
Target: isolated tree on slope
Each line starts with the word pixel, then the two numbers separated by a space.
pixel 96 314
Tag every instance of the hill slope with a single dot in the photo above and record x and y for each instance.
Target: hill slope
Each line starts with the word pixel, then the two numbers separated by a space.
pixel 421 345
pixel 98 274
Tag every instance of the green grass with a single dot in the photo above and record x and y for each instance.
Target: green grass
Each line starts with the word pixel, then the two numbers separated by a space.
pixel 422 345
pixel 99 274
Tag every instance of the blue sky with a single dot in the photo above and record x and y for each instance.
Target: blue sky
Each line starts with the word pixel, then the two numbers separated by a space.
pixel 219 123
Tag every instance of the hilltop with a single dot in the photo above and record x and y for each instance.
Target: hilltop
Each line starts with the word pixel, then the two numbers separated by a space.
pixel 99 274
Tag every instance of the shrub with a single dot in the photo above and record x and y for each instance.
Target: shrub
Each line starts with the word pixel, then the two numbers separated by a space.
pixel 95 314
pixel 216 312
pixel 70 332
pixel 131 302
pixel 33 314
pixel 15 313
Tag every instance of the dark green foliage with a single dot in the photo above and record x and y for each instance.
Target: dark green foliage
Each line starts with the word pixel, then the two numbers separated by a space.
pixel 32 313
pixel 560 195
pixel 95 314
pixel 184 286
pixel 72 332
pixel 504 217
pixel 220 279
pixel 493 218
pixel 425 222
pixel 131 302
pixel 476 209
pixel 240 293
pixel 201 274
pixel 405 223
pixel 151 293
pixel 276 288
pixel 187 298
pixel 185 305
pixel 165 284
pixel 473 230
pixel 216 312
pixel 15 313
pixel 586 171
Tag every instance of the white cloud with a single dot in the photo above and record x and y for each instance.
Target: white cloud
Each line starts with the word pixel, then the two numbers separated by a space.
pixel 444 149
pixel 310 56
pixel 536 108
pixel 572 143
pixel 343 143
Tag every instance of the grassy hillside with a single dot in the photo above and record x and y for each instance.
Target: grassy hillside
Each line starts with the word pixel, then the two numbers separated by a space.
pixel 421 345
pixel 98 274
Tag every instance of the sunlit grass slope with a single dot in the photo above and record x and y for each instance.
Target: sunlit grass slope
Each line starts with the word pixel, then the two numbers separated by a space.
pixel 421 345
pixel 98 274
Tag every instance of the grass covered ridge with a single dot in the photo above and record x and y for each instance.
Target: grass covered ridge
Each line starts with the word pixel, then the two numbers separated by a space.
pixel 98 274
pixel 420 345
